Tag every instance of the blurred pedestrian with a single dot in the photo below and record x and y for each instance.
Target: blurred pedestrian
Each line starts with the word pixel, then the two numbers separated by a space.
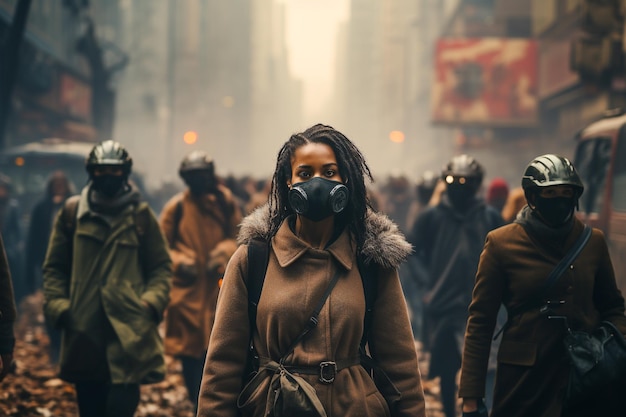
pixel 11 230
pixel 106 283
pixel 514 203
pixel 497 193
pixel 200 225
pixel 8 314
pixel 319 227
pixel 58 189
pixel 412 273
pixel 398 199
pixel 514 267
pixel 448 239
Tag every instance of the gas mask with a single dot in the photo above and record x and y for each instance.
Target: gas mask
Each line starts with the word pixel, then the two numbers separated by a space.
pixel 460 194
pixel 555 211
pixel 108 185
pixel 200 183
pixel 318 198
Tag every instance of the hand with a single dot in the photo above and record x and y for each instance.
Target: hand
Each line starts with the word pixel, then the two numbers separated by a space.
pixel 6 364
pixel 473 407
pixel 154 315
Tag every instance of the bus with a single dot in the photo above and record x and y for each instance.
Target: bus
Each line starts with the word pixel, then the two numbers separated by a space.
pixel 600 159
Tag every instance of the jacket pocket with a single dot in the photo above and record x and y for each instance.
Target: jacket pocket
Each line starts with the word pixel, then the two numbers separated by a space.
pixel 517 353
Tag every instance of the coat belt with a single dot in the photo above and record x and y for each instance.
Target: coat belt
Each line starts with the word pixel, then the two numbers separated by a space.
pixel 327 370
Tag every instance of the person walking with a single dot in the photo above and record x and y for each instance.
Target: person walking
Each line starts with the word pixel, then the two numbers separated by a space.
pixel 200 225
pixel 107 276
pixel 318 232
pixel 8 315
pixel 58 189
pixel 448 239
pixel 515 264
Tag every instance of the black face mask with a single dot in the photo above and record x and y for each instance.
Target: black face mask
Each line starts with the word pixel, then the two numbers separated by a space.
pixel 555 211
pixel 460 195
pixel 318 198
pixel 108 185
pixel 201 184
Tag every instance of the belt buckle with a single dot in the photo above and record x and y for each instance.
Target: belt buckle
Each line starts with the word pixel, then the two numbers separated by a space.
pixel 328 371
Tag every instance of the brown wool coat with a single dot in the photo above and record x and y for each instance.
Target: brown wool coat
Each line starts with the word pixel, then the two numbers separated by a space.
pixel 532 365
pixel 190 314
pixel 296 278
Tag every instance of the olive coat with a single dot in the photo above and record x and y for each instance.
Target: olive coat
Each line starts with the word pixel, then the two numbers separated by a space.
pixel 297 276
pixel 532 364
pixel 95 285
pixel 192 238
pixel 8 311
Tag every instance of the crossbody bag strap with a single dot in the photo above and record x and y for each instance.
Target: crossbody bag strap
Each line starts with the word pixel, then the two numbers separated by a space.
pixel 554 276
pixel 313 320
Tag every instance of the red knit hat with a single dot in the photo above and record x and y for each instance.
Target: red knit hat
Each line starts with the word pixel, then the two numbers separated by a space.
pixel 498 190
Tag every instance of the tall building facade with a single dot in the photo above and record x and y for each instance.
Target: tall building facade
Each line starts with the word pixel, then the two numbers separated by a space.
pixel 205 74
pixel 54 91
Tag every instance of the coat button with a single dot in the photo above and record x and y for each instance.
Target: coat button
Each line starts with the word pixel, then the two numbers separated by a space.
pixel 571 267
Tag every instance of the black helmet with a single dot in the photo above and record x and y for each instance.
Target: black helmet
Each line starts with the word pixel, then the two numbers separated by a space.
pixel 548 170
pixel 466 167
pixel 109 153
pixel 196 161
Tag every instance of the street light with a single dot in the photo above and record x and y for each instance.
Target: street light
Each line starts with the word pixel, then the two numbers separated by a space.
pixel 190 137
pixel 396 136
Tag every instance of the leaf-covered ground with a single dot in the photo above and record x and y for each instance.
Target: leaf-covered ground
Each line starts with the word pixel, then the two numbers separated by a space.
pixel 35 391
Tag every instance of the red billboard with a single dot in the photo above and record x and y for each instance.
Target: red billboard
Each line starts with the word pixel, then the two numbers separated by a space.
pixel 489 82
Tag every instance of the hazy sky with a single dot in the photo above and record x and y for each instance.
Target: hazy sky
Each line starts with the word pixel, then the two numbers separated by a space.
pixel 311 34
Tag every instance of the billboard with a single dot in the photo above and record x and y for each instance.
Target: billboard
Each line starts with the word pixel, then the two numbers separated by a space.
pixel 489 82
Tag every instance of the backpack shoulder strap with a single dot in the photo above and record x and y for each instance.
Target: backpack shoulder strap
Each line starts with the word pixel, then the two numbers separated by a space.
pixel 69 214
pixel 258 258
pixel 369 279
pixel 142 218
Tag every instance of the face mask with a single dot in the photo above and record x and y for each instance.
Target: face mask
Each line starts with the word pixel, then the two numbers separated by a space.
pixel 201 184
pixel 555 211
pixel 460 195
pixel 108 185
pixel 318 198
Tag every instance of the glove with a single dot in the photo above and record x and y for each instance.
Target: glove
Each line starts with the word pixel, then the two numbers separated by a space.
pixel 219 257
pixel 187 271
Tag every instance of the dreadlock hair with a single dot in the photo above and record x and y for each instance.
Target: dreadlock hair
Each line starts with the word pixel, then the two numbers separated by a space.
pixel 352 168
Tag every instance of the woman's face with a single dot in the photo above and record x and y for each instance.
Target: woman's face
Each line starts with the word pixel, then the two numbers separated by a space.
pixel 314 160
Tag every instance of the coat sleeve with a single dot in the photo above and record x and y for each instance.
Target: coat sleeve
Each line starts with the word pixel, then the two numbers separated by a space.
pixel 157 266
pixel 57 272
pixel 606 295
pixel 169 227
pixel 392 346
pixel 483 313
pixel 228 346
pixel 7 305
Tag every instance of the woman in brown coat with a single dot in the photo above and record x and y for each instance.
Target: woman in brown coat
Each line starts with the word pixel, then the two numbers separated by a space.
pixel 515 263
pixel 319 226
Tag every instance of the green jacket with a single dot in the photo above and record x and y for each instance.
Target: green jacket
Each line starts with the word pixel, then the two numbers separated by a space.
pixel 108 294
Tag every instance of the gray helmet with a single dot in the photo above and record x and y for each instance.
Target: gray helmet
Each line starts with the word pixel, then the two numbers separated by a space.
pixel 196 161
pixel 464 166
pixel 109 153
pixel 549 170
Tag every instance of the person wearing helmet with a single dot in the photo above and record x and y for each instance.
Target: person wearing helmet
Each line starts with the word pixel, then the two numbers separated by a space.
pixel 200 225
pixel 515 264
pixel 447 239
pixel 106 279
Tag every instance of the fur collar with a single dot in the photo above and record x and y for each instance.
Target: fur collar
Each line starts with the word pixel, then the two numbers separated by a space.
pixel 384 243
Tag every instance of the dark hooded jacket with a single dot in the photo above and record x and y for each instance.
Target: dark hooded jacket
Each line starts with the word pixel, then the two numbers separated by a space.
pixel 297 276
pixel 447 244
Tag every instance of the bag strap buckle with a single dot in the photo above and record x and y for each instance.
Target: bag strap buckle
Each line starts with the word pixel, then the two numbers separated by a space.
pixel 328 371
